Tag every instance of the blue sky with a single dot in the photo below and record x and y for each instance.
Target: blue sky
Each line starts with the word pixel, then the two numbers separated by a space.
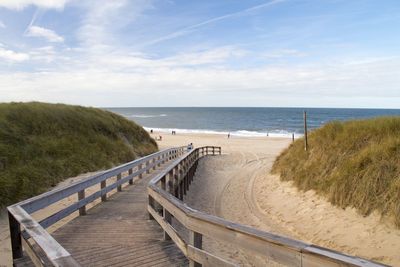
pixel 307 53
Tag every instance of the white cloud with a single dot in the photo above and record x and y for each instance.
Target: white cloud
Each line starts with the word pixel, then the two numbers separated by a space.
pixel 104 17
pixel 12 56
pixel 21 4
pixel 160 84
pixel 50 35
pixel 125 61
pixel 2 25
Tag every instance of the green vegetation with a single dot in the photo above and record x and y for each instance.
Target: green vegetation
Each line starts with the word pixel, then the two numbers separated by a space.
pixel 41 144
pixel 355 163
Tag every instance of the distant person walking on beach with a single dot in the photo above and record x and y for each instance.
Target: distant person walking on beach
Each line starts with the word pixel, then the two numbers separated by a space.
pixel 229 135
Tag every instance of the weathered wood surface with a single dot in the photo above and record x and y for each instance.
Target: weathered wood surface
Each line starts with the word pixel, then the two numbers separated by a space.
pixel 118 232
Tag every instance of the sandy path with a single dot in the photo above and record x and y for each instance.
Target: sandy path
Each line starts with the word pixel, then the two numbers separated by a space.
pixel 238 186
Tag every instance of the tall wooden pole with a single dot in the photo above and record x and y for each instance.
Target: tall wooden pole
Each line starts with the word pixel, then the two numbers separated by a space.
pixel 305 131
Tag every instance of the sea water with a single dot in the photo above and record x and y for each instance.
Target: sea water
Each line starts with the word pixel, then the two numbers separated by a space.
pixel 274 122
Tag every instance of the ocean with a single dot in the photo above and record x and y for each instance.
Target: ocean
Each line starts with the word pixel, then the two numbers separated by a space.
pixel 274 122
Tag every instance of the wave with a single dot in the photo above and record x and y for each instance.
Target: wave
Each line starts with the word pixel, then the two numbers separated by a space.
pixel 239 133
pixel 146 116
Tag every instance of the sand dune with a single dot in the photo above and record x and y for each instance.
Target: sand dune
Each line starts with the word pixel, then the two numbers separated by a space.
pixel 238 186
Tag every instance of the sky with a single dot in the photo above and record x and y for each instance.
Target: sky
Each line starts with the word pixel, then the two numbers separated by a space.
pixel 126 53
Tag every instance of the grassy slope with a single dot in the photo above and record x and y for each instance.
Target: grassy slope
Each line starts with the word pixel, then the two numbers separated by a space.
pixel 355 163
pixel 40 144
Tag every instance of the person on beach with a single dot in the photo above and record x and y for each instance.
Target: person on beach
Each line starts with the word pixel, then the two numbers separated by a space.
pixel 229 135
pixel 190 146
pixel 151 131
pixel 160 138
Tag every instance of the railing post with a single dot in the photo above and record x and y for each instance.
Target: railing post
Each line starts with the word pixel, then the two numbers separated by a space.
pixel 140 167
pixel 129 173
pixel 147 166
pixel 151 204
pixel 220 150
pixel 176 181
pixel 196 240
pixel 15 236
pixel 166 214
pixel 181 183
pixel 170 183
pixel 102 186
pixel 119 188
pixel 81 195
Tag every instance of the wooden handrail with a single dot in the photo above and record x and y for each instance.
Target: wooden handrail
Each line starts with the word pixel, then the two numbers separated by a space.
pixel 26 233
pixel 278 248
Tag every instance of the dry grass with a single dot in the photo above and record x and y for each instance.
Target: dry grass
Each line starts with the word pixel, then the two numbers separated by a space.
pixel 41 144
pixel 355 163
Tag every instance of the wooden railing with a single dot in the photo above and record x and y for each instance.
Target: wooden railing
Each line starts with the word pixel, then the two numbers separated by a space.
pixel 166 191
pixel 30 236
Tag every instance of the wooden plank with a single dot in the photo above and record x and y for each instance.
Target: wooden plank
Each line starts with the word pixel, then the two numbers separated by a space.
pixel 195 240
pixel 48 198
pixel 173 234
pixel 197 254
pixel 37 261
pixel 313 255
pixel 32 228
pixel 207 259
pixel 223 230
pixel 54 251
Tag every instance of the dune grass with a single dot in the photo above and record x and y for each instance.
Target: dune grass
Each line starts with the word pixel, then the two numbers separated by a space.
pixel 41 144
pixel 354 163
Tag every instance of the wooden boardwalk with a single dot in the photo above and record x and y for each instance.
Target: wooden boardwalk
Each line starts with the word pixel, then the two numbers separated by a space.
pixel 118 232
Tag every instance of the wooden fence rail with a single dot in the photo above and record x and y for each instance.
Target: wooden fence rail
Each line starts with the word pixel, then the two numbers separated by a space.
pixel 30 237
pixel 165 192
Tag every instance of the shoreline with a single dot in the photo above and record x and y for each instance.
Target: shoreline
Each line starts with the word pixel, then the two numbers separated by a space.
pixel 237 133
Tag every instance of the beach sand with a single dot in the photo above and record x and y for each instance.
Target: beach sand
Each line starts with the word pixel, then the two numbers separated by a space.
pixel 238 186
